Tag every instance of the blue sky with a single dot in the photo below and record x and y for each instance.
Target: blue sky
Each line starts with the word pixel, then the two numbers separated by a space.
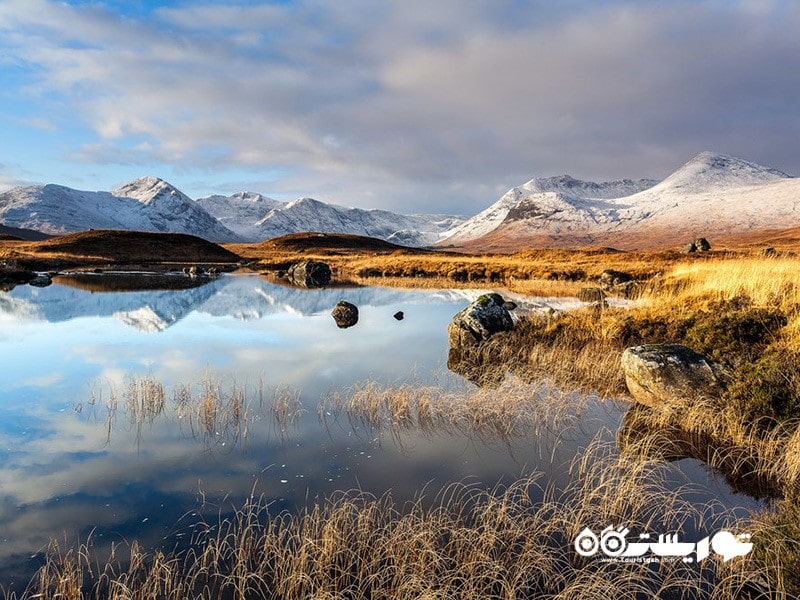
pixel 411 105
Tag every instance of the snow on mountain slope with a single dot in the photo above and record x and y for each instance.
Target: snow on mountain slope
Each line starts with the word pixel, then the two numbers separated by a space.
pixel 565 196
pixel 712 194
pixel 239 212
pixel 165 208
pixel 147 204
pixel 307 214
pixel 56 209
pixel 151 204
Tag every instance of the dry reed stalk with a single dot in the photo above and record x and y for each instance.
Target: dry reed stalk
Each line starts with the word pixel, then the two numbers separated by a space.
pixel 508 542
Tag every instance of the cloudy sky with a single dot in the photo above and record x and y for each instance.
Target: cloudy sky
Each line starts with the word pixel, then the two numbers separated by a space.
pixel 412 105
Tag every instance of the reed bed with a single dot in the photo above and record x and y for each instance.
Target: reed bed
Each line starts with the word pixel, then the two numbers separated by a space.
pixel 507 542
pixel 512 410
pixel 209 410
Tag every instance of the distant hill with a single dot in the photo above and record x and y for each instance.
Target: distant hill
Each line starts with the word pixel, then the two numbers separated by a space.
pixel 15 233
pixel 712 195
pixel 329 242
pixel 130 247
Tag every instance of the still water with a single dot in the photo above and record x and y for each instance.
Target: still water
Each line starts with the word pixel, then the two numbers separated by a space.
pixel 70 468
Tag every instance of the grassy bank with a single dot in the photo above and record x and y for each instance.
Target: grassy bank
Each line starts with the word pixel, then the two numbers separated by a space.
pixel 511 542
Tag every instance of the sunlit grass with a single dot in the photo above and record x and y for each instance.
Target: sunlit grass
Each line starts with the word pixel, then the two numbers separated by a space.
pixel 507 542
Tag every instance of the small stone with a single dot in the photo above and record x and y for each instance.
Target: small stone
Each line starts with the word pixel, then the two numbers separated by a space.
pixel 399 315
pixel 345 314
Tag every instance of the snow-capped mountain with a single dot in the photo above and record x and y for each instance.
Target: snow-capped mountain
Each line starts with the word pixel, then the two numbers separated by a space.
pixel 146 204
pixel 307 214
pixel 711 195
pixel 256 218
pixel 240 212
pixel 542 198
pixel 151 204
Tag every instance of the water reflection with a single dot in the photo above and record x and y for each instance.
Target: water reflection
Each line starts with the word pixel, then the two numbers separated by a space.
pixel 82 450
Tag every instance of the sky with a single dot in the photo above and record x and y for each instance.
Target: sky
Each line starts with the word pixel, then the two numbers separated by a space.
pixel 409 105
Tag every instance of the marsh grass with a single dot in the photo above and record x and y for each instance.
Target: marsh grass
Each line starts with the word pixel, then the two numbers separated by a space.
pixel 468 542
pixel 214 412
pixel 512 411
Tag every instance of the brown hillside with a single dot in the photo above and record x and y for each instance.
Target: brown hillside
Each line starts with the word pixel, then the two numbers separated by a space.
pixel 329 241
pixel 123 247
pixel 15 233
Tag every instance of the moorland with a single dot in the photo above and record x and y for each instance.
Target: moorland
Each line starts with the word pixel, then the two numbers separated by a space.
pixel 737 304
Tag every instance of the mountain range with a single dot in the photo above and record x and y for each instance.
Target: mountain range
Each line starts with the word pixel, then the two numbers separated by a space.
pixel 152 204
pixel 712 195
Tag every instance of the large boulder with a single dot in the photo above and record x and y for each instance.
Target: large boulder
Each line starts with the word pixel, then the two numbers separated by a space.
pixel 345 314
pixel 658 374
pixel 310 273
pixel 479 321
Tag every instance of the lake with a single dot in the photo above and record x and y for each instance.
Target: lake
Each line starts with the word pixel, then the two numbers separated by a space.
pixel 76 460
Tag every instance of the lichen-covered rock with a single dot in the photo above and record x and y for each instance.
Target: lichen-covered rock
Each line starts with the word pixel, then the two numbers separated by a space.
pixel 310 273
pixel 479 321
pixel 345 314
pixel 702 245
pixel 670 373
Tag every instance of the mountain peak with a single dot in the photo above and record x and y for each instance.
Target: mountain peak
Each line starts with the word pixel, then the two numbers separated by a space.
pixel 145 189
pixel 722 171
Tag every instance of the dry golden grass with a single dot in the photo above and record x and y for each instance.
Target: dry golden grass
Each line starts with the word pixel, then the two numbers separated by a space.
pixel 512 542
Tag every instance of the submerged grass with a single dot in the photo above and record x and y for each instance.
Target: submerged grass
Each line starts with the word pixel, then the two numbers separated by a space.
pixel 209 410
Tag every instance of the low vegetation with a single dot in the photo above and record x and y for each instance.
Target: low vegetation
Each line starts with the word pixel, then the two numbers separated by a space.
pixel 739 309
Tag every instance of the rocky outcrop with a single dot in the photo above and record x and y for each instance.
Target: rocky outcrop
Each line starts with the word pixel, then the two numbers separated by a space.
pixel 658 374
pixel 310 273
pixel 345 314
pixel 479 321
pixel 699 245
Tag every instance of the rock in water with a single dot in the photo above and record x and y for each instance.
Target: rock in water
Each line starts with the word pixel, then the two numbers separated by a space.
pixel 670 373
pixel 479 321
pixel 310 273
pixel 399 315
pixel 41 281
pixel 345 314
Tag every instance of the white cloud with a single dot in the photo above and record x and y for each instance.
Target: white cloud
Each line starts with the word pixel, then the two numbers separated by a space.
pixel 421 100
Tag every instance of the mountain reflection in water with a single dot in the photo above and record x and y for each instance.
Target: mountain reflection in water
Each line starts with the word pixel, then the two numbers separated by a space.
pixel 76 457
